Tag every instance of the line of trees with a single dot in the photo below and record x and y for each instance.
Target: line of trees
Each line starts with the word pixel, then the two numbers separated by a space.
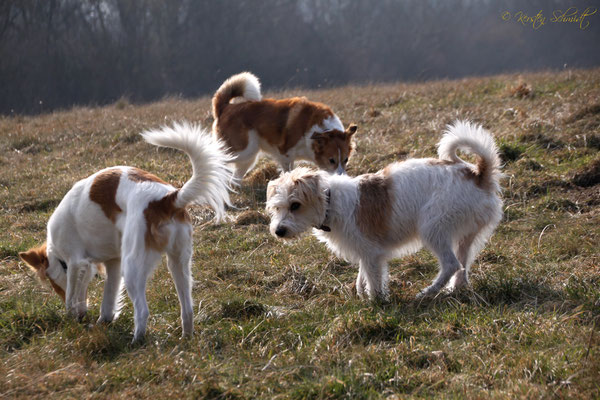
pixel 56 53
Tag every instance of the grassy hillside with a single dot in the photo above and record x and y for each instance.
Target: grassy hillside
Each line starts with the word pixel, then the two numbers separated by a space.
pixel 281 320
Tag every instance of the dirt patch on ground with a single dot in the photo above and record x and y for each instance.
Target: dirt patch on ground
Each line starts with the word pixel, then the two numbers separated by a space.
pixel 262 176
pixel 251 217
pixel 588 176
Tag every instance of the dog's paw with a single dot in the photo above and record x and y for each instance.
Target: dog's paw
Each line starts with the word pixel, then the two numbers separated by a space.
pixel 104 320
pixel 77 313
pixel 427 293
pixel 186 335
pixel 378 297
pixel 138 340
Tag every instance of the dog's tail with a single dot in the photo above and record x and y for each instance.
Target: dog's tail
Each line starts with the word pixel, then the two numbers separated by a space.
pixel 209 183
pixel 473 138
pixel 245 85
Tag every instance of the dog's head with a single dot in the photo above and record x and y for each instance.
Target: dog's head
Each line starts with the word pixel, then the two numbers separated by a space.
pixel 296 202
pixel 333 148
pixel 55 271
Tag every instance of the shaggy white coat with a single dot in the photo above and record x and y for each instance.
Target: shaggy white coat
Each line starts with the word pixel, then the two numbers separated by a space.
pixel 434 205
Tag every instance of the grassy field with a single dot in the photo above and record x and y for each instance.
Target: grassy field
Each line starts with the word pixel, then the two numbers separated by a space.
pixel 281 320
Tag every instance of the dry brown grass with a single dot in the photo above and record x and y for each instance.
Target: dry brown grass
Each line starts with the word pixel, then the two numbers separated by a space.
pixel 281 320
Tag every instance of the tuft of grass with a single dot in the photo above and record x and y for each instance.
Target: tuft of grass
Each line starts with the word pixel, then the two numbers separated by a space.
pixel 510 152
pixel 238 308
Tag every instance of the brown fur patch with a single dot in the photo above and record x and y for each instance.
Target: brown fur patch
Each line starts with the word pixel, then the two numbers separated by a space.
pixel 374 206
pixel 59 291
pixel 437 161
pixel 478 175
pixel 104 192
pixel 282 123
pixel 158 213
pixel 139 175
pixel 37 260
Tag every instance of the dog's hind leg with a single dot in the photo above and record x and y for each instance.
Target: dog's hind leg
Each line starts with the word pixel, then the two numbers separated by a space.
pixel 136 270
pixel 112 290
pixel 449 265
pixel 246 158
pixel 465 257
pixel 468 248
pixel 178 261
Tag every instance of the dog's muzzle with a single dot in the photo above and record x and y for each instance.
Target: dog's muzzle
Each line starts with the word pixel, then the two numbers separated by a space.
pixel 280 231
pixel 340 170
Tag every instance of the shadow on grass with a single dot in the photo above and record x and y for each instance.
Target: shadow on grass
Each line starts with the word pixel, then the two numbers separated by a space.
pixel 20 327
pixel 22 324
pixel 517 293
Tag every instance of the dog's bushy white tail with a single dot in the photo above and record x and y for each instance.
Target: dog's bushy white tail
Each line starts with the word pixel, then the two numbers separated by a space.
pixel 209 183
pixel 244 84
pixel 472 138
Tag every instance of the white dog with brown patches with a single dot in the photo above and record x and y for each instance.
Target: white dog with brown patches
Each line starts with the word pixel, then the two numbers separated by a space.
pixel 446 204
pixel 287 129
pixel 127 218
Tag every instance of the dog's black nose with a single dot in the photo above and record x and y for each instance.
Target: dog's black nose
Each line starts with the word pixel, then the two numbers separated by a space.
pixel 280 231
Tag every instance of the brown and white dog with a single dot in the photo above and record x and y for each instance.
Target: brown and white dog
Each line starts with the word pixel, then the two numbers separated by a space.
pixel 288 129
pixel 126 219
pixel 446 204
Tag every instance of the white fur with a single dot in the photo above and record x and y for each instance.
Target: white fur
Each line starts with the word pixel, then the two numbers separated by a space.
pixel 80 234
pixel 330 124
pixel 205 154
pixel 433 205
pixel 250 83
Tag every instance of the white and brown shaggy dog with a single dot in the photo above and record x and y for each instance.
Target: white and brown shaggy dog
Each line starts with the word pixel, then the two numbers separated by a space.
pixel 127 218
pixel 446 204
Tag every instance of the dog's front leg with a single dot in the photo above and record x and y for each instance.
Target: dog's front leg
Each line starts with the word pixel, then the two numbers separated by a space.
pixel 360 284
pixel 287 165
pixel 112 289
pixel 374 274
pixel 79 275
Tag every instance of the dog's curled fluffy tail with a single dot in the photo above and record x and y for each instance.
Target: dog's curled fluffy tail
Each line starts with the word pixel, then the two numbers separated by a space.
pixel 209 183
pixel 244 85
pixel 472 138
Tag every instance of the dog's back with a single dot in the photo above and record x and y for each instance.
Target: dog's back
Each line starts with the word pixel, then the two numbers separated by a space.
pixel 281 123
pixel 93 215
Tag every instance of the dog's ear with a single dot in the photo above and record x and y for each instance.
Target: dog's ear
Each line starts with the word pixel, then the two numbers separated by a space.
pixel 351 130
pixel 272 188
pixel 36 259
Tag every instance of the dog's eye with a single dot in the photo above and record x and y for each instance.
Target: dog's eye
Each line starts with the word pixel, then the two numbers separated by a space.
pixel 294 206
pixel 346 160
pixel 331 160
